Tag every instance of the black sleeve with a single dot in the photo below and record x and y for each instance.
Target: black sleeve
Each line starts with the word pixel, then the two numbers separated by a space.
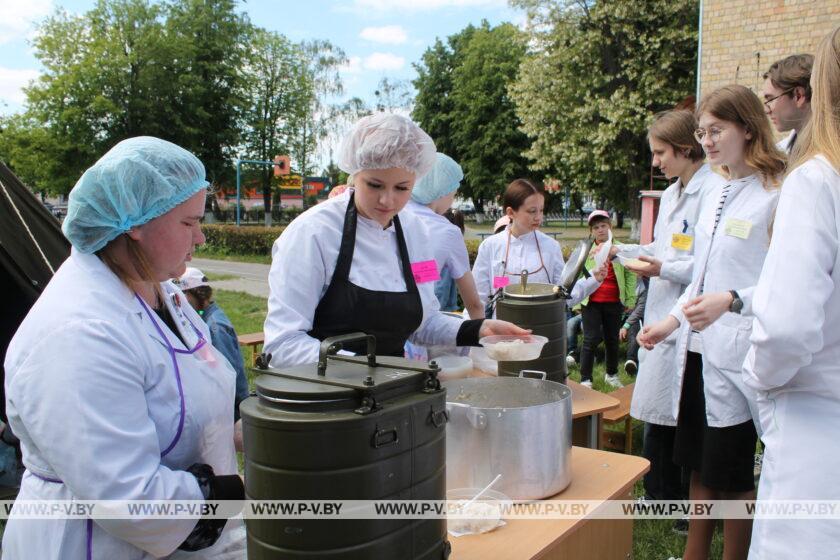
pixel 222 487
pixel 468 333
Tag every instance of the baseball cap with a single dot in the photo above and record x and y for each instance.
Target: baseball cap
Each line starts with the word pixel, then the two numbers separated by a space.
pixel 192 278
pixel 596 214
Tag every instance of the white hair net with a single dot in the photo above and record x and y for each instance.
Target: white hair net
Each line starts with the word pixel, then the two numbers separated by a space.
pixel 135 181
pixel 383 141
pixel 443 179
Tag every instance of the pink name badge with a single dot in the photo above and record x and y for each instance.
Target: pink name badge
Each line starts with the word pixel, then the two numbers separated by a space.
pixel 500 282
pixel 425 271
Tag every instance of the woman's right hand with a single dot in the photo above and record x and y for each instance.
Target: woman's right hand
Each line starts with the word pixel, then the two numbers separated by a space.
pixel 653 334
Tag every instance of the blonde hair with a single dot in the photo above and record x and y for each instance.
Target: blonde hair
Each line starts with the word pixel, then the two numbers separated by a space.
pixel 676 128
pixel 136 257
pixel 738 104
pixel 822 133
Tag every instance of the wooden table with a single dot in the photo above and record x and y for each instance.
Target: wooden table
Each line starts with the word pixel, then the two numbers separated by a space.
pixel 587 407
pixel 596 475
pixel 255 341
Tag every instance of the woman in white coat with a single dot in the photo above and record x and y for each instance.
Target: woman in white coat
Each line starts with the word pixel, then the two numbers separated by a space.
pixel 522 246
pixel 431 197
pixel 668 262
pixel 359 263
pixel 793 361
pixel 716 436
pixel 111 384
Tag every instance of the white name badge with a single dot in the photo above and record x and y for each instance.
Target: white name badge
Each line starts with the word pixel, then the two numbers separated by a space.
pixel 737 228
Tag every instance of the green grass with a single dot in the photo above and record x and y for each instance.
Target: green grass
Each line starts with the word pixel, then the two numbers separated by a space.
pixel 652 539
pixel 215 277
pixel 205 253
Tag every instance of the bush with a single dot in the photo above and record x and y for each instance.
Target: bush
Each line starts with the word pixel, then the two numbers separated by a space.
pixel 472 249
pixel 242 240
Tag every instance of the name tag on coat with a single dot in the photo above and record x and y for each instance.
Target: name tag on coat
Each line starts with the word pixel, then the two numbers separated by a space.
pixel 738 228
pixel 425 271
pixel 500 282
pixel 682 242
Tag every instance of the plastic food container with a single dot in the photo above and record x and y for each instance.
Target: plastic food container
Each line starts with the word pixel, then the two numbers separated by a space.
pixel 625 261
pixel 453 367
pixel 481 516
pixel 513 348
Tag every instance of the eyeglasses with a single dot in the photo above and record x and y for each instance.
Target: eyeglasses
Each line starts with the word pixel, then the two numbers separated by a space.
pixel 767 102
pixel 714 134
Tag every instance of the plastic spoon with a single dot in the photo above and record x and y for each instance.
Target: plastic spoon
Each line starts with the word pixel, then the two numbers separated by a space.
pixel 486 488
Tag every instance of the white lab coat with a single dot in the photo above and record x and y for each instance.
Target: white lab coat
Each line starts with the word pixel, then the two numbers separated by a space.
pixel 445 239
pixel 726 263
pixel 523 254
pixel 794 363
pixel 92 393
pixel 302 263
pixel 678 214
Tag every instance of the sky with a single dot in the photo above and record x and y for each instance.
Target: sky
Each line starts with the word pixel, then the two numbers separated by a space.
pixel 381 38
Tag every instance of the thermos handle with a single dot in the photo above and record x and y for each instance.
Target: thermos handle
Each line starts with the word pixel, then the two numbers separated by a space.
pixel 541 374
pixel 331 345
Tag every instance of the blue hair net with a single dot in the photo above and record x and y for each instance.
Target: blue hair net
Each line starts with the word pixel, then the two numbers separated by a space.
pixel 443 179
pixel 138 180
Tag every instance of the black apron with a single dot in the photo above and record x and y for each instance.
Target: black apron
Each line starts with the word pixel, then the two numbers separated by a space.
pixel 345 308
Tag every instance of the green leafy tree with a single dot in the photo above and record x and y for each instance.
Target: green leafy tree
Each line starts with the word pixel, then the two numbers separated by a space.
pixel 127 68
pixel 317 73
pixel 207 113
pixel 486 129
pixel 462 102
pixel 271 96
pixel 434 103
pixel 392 96
pixel 595 74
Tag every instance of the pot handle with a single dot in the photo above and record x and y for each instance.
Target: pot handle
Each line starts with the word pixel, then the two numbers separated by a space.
pixel 477 419
pixel 540 374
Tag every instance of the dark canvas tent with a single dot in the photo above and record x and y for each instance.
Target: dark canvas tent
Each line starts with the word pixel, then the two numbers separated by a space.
pixel 31 249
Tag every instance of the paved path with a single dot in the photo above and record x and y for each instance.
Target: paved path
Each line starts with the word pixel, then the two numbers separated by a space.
pixel 251 278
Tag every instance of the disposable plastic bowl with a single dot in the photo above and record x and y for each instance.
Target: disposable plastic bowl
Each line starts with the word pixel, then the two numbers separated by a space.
pixel 487 518
pixel 630 261
pixel 453 367
pixel 513 348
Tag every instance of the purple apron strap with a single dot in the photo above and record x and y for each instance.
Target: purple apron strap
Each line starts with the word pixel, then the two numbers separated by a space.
pixel 172 352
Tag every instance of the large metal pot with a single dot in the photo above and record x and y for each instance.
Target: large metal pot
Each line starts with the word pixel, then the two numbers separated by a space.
pixel 518 427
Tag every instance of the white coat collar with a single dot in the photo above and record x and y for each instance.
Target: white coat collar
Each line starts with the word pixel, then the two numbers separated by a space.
pixel 697 180
pixel 107 280
pixel 123 298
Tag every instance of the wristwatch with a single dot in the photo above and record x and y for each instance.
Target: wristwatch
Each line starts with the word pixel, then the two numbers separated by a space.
pixel 737 303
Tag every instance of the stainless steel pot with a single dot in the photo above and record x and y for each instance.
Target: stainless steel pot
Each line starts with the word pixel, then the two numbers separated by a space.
pixel 518 427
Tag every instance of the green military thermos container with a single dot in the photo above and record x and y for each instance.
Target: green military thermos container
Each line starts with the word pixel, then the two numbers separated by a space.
pixel 347 428
pixel 542 308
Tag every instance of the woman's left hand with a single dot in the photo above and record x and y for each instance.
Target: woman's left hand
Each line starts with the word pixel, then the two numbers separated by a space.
pixel 492 327
pixel 704 310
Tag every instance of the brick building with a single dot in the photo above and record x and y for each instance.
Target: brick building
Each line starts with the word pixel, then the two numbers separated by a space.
pixel 742 38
